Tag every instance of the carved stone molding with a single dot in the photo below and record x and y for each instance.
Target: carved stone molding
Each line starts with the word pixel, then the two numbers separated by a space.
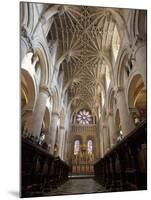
pixel 28 39
pixel 119 90
pixel 35 59
pixel 110 113
pixel 62 127
pixel 104 126
pixel 42 20
pixel 44 88
pixel 27 112
pixel 55 113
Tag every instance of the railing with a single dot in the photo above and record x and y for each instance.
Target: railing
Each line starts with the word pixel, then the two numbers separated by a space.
pixel 40 171
pixel 124 167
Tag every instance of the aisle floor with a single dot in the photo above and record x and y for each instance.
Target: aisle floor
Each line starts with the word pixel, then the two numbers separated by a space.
pixel 78 186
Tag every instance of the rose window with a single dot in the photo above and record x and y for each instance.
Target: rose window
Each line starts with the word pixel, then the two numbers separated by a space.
pixel 84 117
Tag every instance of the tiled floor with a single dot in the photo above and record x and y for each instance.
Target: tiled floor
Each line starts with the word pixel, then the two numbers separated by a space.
pixel 78 186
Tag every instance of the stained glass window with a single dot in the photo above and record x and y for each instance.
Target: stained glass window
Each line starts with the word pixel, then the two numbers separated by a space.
pixel 90 146
pixel 76 147
pixel 84 117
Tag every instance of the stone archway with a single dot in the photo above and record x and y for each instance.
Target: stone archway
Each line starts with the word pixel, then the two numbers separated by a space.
pixel 28 88
pixel 28 99
pixel 39 52
pixel 137 99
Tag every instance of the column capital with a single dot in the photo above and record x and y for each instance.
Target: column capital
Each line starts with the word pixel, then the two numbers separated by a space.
pixel 110 113
pixel 62 127
pixel 55 113
pixel 104 125
pixel 28 110
pixel 42 20
pixel 119 89
pixel 45 89
pixel 35 59
pixel 27 38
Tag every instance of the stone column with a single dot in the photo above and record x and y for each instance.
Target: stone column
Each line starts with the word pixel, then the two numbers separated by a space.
pixel 64 146
pixel 39 110
pixel 67 146
pixel 112 130
pixel 60 145
pixel 101 145
pixel 106 139
pixel 104 142
pixel 52 131
pixel 125 118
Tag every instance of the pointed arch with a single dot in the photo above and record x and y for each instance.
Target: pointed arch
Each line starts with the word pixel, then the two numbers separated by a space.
pixel 120 22
pixel 137 97
pixel 41 49
pixel 28 88
pixel 121 62
pixel 27 16
pixel 40 52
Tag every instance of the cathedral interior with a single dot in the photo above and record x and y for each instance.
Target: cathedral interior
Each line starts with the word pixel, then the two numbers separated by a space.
pixel 83 99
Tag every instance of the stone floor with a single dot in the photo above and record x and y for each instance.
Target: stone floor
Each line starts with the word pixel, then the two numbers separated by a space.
pixel 78 186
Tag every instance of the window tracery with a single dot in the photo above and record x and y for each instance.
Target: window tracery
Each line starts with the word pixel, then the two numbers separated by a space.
pixel 84 117
pixel 76 147
pixel 90 147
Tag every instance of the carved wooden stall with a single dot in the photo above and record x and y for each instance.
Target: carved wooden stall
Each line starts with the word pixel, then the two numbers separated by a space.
pixel 40 171
pixel 124 167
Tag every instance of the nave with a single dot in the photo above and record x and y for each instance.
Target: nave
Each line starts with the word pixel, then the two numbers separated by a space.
pixel 83 99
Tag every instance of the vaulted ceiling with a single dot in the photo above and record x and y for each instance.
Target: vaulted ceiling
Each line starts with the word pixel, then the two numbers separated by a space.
pixel 84 35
